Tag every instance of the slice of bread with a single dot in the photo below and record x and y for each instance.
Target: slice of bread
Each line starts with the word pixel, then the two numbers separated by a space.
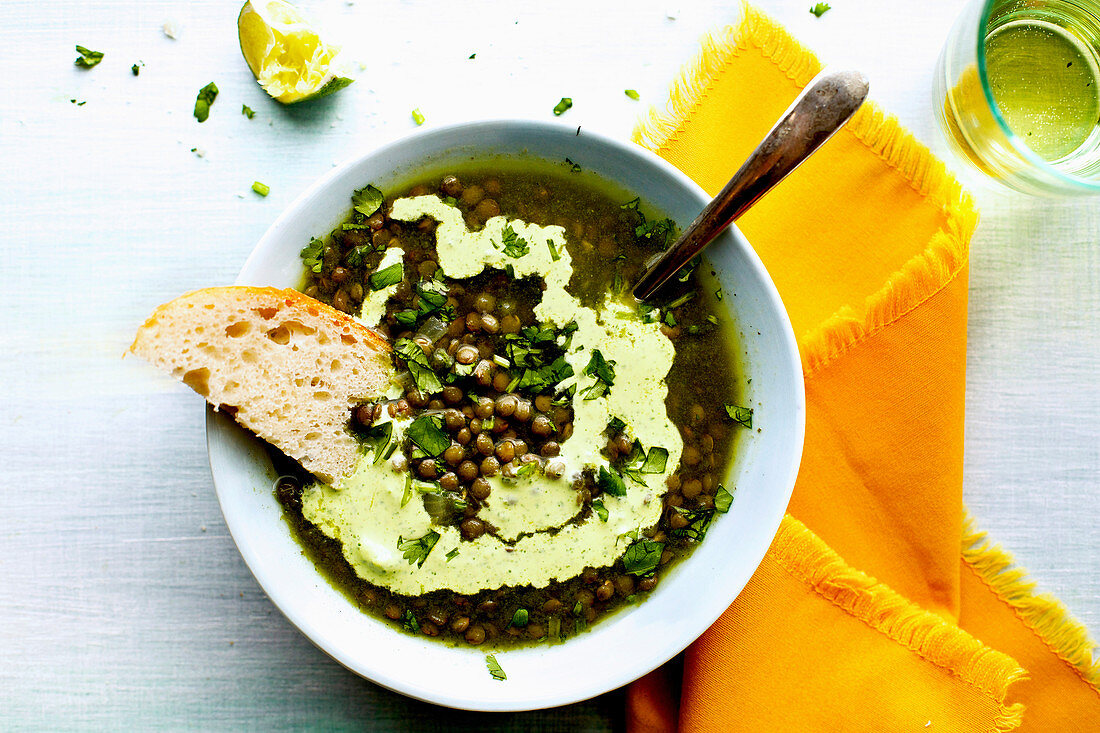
pixel 287 367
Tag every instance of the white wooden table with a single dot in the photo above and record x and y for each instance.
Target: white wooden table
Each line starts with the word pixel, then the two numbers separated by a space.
pixel 123 602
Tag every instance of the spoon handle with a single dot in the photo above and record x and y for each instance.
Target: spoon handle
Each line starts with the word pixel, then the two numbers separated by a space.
pixel 821 109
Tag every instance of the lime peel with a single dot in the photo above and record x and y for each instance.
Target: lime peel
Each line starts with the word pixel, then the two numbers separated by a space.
pixel 286 55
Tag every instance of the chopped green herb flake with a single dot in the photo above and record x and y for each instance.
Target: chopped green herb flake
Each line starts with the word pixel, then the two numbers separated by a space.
pixel 740 415
pixel 206 97
pixel 553 627
pixel 261 188
pixel 633 94
pixel 422 374
pixel 562 106
pixel 473 56
pixel 136 68
pixel 643 557
pixel 426 431
pixel 600 509
pixel 573 167
pixel 311 255
pixel 418 117
pixel 722 500
pixel 603 371
pixel 367 200
pixel 513 244
pixel 416 550
pixel 615 426
pixel 87 58
pixel 247 111
pixel 655 461
pixel 554 254
pixel 820 9
pixel 452 554
pixel 519 618
pixel 494 668
pixel 409 623
pixel 388 276
pixel 718 294
pixel 610 482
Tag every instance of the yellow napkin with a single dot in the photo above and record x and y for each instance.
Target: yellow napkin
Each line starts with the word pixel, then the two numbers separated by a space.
pixel 878 606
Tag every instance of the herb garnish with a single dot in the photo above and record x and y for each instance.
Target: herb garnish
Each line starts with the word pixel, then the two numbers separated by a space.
pixel 313 255
pixel 247 111
pixel 452 554
pixel 261 188
pixel 494 668
pixel 519 618
pixel 378 439
pixel 531 349
pixel 615 426
pixel 643 557
pixel 562 106
pixel 136 68
pixel 722 499
pixel 443 507
pixel 820 9
pixel 600 509
pixel 416 550
pixel 473 56
pixel 206 97
pixel 388 276
pixel 581 623
pixel 555 255
pixel 409 623
pixel 740 415
pixel 418 117
pixel 573 167
pixel 514 245
pixel 633 94
pixel 603 371
pixel 87 58
pixel 422 374
pixel 426 431
pixel 367 200
pixel 610 482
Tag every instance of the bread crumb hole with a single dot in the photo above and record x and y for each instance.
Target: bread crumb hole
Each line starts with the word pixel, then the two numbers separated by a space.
pixel 322 396
pixel 266 313
pixel 348 339
pixel 335 365
pixel 209 306
pixel 312 436
pixel 198 380
pixel 248 356
pixel 312 311
pixel 322 338
pixel 238 329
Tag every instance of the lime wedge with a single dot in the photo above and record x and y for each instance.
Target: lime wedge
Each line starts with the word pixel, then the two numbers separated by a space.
pixel 286 55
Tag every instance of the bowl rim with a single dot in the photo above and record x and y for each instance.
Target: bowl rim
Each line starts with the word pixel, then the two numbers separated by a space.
pixel 784 481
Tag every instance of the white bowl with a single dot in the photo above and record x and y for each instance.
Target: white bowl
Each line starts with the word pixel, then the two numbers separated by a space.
pixel 635 640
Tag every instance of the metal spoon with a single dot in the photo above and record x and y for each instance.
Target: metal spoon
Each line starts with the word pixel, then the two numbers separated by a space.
pixel 821 110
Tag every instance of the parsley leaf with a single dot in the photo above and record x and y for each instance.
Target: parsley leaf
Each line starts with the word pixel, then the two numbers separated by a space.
pixel 312 255
pixel 603 371
pixel 409 623
pixel 740 415
pixel 633 94
pixel 416 550
pixel 379 439
pixel 643 557
pixel 600 509
pixel 388 276
pixel 367 200
pixel 206 97
pixel 247 111
pixel 514 245
pixel 418 117
pixel 610 482
pixel 820 9
pixel 722 499
pixel 87 58
pixel 698 522
pixel 615 426
pixel 426 431
pixel 422 374
pixel 562 106
pixel 655 461
pixel 494 668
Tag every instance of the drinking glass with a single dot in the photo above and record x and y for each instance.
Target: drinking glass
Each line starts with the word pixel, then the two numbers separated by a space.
pixel 1017 93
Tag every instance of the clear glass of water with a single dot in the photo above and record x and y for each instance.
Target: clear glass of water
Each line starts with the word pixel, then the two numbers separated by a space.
pixel 1017 93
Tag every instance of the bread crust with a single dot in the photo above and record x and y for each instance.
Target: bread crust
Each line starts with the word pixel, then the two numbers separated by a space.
pixel 287 367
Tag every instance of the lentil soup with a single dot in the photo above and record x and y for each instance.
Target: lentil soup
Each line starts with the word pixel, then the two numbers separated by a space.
pixel 495 400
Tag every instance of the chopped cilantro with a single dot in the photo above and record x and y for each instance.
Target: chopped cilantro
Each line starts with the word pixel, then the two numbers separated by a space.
pixel 247 111
pixel 562 106
pixel 206 97
pixel 513 244
pixel 261 188
pixel 615 426
pixel 722 499
pixel 356 256
pixel 452 554
pixel 416 550
pixel 422 374
pixel 494 668
pixel 81 103
pixel 610 482
pixel 554 254
pixel 698 523
pixel 136 68
pixel 519 618
pixel 379 439
pixel 670 319
pixel 553 627
pixel 820 9
pixel 426 432
pixel 643 557
pixel 573 167
pixel 388 276
pixel 600 509
pixel 312 255
pixel 603 371
pixel 418 117
pixel 87 58
pixel 367 200
pixel 633 94
pixel 473 56
pixel 655 460
pixel 409 623
pixel 408 490
pixel 740 415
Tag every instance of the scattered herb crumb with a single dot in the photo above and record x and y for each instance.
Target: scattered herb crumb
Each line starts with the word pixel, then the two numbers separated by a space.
pixel 473 56
pixel 562 106
pixel 261 188
pixel 247 111
pixel 87 58
pixel 494 668
pixel 206 97
pixel 136 68
pixel 740 415
pixel 81 103
pixel 573 167
pixel 633 94
pixel 418 117
pixel 820 9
